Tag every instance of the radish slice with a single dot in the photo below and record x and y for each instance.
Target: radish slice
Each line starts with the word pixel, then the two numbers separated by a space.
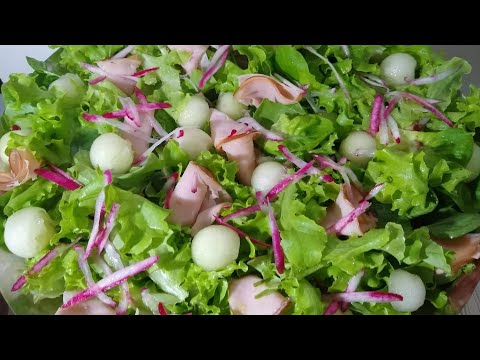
pixel 332 308
pixel 300 163
pixel 253 124
pixel 426 105
pixel 337 75
pixel 57 179
pixel 144 156
pixel 64 174
pixel 390 106
pixel 433 78
pixel 373 80
pixel 215 64
pixel 161 309
pixel 107 300
pixel 124 52
pixel 97 80
pixel 392 124
pixel 278 254
pixel 104 235
pixel 111 281
pixel 40 264
pixel 375 116
pixel 145 72
pixel 117 124
pixel 99 205
pixel 292 179
pixel 242 212
pixel 365 296
pixel 240 232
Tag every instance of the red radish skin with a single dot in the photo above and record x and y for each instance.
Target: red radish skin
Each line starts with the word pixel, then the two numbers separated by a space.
pixel 57 179
pixel 365 296
pixel 161 309
pixel 145 72
pixel 216 63
pixel 278 254
pixel 375 116
pixel 64 174
pixel 390 107
pixel 103 237
pixel 242 212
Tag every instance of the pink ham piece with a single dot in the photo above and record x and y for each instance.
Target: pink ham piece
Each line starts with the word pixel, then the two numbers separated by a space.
pixel 196 191
pixel 22 168
pixel 119 70
pixel 462 289
pixel 236 140
pixel 466 248
pixel 206 217
pixel 89 307
pixel 344 204
pixel 242 299
pixel 253 88
pixel 196 51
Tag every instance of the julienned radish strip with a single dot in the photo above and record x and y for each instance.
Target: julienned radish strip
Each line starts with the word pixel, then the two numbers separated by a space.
pixel 335 72
pixel 300 163
pixel 85 268
pixel 144 156
pixel 292 179
pixel 97 80
pixel 376 116
pixel 390 106
pixel 99 205
pixel 145 72
pixel 216 63
pixel 104 235
pixel 242 212
pixel 332 308
pixel 40 264
pixel 278 254
pixel 364 296
pixel 393 126
pixel 352 286
pixel 433 78
pixel 64 174
pixel 57 179
pixel 161 309
pixel 346 173
pixel 124 52
pixel 427 106
pixel 111 281
pixel 116 260
pixel 117 124
pixel 253 124
pixel 239 232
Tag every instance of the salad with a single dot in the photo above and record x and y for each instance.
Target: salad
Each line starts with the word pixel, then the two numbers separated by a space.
pixel 242 179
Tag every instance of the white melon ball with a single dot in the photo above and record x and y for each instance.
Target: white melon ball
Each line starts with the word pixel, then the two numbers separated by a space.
pixel 111 152
pixel 227 104
pixel 359 147
pixel 4 142
pixel 267 175
pixel 410 286
pixel 194 141
pixel 474 163
pixel 28 231
pixel 215 247
pixel 195 114
pixel 398 68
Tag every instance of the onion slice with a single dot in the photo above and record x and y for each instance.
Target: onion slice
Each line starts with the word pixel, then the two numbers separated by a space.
pixel 111 281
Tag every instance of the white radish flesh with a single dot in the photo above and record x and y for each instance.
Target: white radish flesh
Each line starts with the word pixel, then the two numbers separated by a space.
pixel 227 104
pixel 267 175
pixel 194 141
pixel 398 69
pixel 474 163
pixel 111 152
pixel 4 143
pixel 410 286
pixel 195 114
pixel 358 147
pixel 28 232
pixel 215 247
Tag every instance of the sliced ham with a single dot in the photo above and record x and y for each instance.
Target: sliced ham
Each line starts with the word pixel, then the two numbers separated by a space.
pixel 463 288
pixel 236 140
pixel 89 307
pixel 253 88
pixel 119 72
pixel 196 51
pixel 466 248
pixel 206 217
pixel 196 191
pixel 242 299
pixel 344 204
pixel 22 168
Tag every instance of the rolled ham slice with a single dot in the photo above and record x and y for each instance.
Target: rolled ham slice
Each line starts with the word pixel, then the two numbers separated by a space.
pixel 253 88
pixel 196 51
pixel 463 288
pixel 242 299
pixel 344 204
pixel 466 248
pixel 22 168
pixel 236 140
pixel 119 70
pixel 196 191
